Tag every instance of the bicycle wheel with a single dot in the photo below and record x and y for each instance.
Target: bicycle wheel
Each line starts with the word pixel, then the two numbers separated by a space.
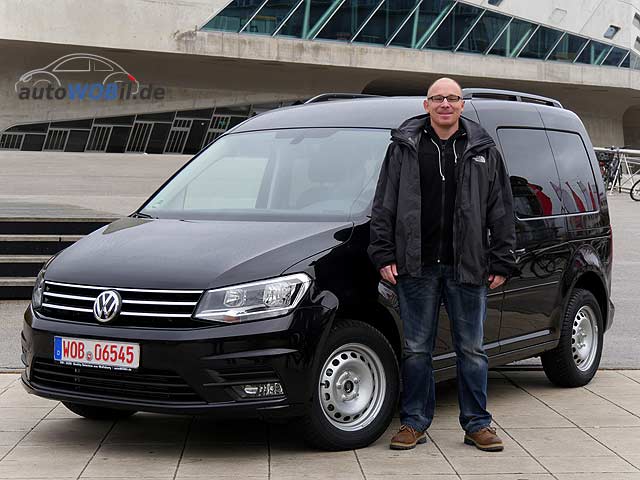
pixel 635 191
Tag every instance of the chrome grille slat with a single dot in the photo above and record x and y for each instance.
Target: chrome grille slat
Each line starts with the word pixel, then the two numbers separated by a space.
pixel 141 307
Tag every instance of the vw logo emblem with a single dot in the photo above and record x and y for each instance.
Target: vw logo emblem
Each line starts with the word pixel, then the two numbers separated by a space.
pixel 107 306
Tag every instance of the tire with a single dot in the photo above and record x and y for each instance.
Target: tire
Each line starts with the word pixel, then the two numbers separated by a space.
pixel 635 191
pixel 98 413
pixel 359 363
pixel 575 360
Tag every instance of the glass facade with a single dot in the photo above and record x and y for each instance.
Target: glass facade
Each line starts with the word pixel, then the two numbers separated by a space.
pixel 513 38
pixel 540 43
pixel 447 25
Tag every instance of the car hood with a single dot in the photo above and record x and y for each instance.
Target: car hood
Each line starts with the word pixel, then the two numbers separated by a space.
pixel 178 254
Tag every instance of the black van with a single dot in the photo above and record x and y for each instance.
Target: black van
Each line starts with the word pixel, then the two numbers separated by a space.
pixel 242 287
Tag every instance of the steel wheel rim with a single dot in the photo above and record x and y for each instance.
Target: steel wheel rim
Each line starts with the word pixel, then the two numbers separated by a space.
pixel 584 338
pixel 352 387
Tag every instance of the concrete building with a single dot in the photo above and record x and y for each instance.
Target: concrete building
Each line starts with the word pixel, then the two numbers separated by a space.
pixel 186 70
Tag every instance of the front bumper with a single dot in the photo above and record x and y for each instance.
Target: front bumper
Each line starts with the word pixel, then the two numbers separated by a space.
pixel 196 371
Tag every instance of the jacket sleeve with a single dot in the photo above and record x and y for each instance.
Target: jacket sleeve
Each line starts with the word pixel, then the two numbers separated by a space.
pixel 382 249
pixel 500 222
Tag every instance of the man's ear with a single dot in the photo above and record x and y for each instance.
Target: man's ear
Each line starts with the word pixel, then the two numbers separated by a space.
pixel 425 104
pixel 462 106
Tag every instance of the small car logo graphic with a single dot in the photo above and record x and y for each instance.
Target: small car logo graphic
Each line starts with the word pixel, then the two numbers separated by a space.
pixel 107 306
pixel 78 67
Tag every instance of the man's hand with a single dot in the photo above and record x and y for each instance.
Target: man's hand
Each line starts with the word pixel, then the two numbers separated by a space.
pixel 496 280
pixel 389 273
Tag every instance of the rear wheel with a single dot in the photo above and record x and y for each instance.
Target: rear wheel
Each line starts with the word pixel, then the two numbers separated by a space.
pixel 575 360
pixel 355 388
pixel 98 413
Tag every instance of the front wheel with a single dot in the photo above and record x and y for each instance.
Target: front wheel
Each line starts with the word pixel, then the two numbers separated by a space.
pixel 635 191
pixel 575 360
pixel 355 388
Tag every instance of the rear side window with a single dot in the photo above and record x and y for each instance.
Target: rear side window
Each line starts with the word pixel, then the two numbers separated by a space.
pixel 534 178
pixel 578 184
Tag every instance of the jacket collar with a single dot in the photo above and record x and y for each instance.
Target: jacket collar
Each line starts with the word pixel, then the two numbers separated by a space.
pixel 409 132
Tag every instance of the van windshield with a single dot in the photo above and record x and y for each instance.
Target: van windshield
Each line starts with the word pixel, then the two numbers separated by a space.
pixel 301 174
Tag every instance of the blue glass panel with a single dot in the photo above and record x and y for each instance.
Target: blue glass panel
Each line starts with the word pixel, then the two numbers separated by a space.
pixel 568 48
pixel 270 16
pixel 484 33
pixel 594 53
pixel 385 21
pixel 233 17
pixel 454 27
pixel 513 38
pixel 626 63
pixel 425 19
pixel 348 19
pixel 541 43
pixel 307 17
pixel 615 57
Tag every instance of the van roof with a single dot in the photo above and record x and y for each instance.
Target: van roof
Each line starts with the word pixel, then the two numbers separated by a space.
pixel 389 112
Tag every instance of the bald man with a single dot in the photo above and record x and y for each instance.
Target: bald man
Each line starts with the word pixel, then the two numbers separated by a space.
pixel 442 189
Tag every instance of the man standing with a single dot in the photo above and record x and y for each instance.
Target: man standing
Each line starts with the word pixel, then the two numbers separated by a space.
pixel 442 227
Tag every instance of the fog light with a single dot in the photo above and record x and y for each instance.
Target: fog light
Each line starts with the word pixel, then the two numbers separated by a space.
pixel 263 389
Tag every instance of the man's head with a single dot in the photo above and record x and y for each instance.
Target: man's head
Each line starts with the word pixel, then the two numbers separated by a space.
pixel 441 102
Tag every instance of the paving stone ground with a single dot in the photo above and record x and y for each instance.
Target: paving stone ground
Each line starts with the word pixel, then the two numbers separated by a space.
pixel 549 433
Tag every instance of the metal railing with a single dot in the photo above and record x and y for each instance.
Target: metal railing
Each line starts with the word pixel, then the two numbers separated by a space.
pixel 620 167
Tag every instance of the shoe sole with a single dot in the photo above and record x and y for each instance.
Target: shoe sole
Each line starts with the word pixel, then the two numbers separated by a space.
pixel 493 447
pixel 404 446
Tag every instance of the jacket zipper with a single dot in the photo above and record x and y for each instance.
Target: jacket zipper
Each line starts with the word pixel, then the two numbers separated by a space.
pixel 442 190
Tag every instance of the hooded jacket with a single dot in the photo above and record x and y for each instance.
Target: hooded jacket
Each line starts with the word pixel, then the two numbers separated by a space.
pixel 483 224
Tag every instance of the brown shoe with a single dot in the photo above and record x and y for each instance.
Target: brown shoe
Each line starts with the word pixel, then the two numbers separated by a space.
pixel 407 438
pixel 485 439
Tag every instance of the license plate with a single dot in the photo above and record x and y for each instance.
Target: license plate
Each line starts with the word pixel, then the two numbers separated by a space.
pixel 96 353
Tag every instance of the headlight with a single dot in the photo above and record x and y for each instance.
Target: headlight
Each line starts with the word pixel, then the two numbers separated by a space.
pixel 38 290
pixel 253 301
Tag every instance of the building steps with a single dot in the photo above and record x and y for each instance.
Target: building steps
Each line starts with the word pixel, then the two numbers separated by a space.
pixel 27 243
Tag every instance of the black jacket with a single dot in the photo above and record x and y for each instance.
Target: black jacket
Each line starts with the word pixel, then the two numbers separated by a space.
pixel 483 222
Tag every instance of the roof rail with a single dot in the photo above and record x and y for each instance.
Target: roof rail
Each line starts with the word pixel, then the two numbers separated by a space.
pixel 508 95
pixel 323 97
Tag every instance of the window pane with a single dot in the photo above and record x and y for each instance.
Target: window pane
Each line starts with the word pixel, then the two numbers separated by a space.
pixel 385 21
pixel 541 43
pixel 615 57
pixel 594 53
pixel 290 174
pixel 485 32
pixel 533 174
pixel 634 61
pixel 626 63
pixel 454 27
pixel 302 23
pixel 348 19
pixel 233 17
pixel 513 38
pixel 270 16
pixel 422 23
pixel 568 48
pixel 577 182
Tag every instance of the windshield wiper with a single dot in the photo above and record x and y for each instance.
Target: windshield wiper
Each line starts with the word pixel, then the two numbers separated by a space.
pixel 141 215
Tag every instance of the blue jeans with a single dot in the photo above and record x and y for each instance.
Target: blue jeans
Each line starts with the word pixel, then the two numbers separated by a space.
pixel 466 305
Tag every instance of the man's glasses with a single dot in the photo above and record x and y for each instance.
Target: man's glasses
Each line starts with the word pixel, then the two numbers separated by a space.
pixel 440 98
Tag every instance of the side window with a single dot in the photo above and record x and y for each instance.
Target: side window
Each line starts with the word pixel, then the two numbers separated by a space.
pixel 576 175
pixel 534 178
pixel 73 65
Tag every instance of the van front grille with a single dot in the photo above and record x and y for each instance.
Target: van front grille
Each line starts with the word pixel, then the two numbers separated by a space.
pixel 150 385
pixel 140 307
